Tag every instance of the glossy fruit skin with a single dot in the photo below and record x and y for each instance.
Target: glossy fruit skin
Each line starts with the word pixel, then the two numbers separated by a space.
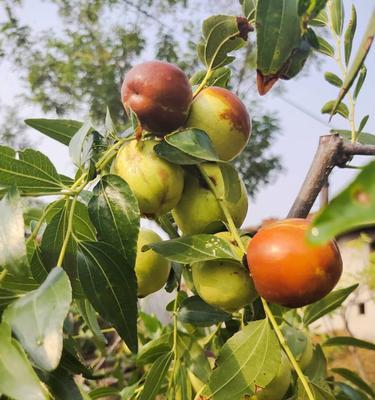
pixel 223 284
pixel 152 269
pixel 286 269
pixel 198 207
pixel 277 388
pixel 159 93
pixel 156 183
pixel 223 116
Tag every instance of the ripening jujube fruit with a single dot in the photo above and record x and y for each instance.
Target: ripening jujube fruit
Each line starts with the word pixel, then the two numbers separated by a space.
pixel 152 269
pixel 277 388
pixel 156 183
pixel 199 209
pixel 159 93
pixel 286 269
pixel 224 284
pixel 223 116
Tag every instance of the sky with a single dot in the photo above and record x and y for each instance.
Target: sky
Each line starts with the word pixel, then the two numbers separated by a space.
pixel 300 132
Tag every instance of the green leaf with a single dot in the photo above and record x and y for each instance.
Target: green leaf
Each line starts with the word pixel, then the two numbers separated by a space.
pixel 32 172
pixel 61 385
pixel 18 380
pixel 155 377
pixel 110 129
pixel 363 123
pixel 12 234
pixel 89 316
pixel 349 34
pixel 109 283
pixel 320 389
pixel 232 182
pixel 37 319
pixel 336 8
pixel 355 379
pixel 359 59
pixel 80 145
pixel 104 392
pixel 195 311
pixel 218 77
pixel 278 34
pixel 363 138
pixel 222 37
pixel 325 47
pixel 114 211
pixel 352 208
pixel 296 340
pixel 71 362
pixel 326 305
pixel 361 79
pixel 342 109
pixel 175 156
pixel 346 392
pixel 349 341
pixel 317 368
pixel 194 142
pixel 154 349
pixel 61 130
pixel 54 236
pixel 248 359
pixel 333 79
pixel 191 249
pixel 249 8
pixel 183 388
pixel 320 20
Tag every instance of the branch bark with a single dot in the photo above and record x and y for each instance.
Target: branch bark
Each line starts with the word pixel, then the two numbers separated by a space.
pixel 331 152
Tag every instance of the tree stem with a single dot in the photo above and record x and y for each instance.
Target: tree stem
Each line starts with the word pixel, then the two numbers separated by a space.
pixel 287 350
pixel 270 316
pixel 69 231
pixel 203 83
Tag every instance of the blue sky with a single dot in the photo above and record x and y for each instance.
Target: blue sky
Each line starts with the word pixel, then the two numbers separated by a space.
pixel 300 132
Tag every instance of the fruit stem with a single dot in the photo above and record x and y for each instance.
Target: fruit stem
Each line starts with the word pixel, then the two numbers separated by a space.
pixel 231 225
pixel 203 83
pixel 69 231
pixel 287 350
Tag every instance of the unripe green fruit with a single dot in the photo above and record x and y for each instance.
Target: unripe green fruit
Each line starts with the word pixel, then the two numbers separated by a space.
pixel 277 388
pixel 223 116
pixel 198 207
pixel 152 269
pixel 156 183
pixel 223 284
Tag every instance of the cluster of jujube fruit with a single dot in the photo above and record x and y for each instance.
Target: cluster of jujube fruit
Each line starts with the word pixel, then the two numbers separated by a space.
pixel 281 266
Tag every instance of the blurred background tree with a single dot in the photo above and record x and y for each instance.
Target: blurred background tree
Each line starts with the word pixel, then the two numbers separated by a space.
pixel 77 68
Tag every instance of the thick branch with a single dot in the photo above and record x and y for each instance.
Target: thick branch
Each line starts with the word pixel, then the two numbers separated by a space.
pixel 326 158
pixel 331 152
pixel 352 149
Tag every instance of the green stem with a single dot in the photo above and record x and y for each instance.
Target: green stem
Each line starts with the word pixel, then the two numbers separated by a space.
pixel 69 231
pixel 267 310
pixel 344 72
pixel 231 225
pixel 203 83
pixel 174 347
pixel 287 350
